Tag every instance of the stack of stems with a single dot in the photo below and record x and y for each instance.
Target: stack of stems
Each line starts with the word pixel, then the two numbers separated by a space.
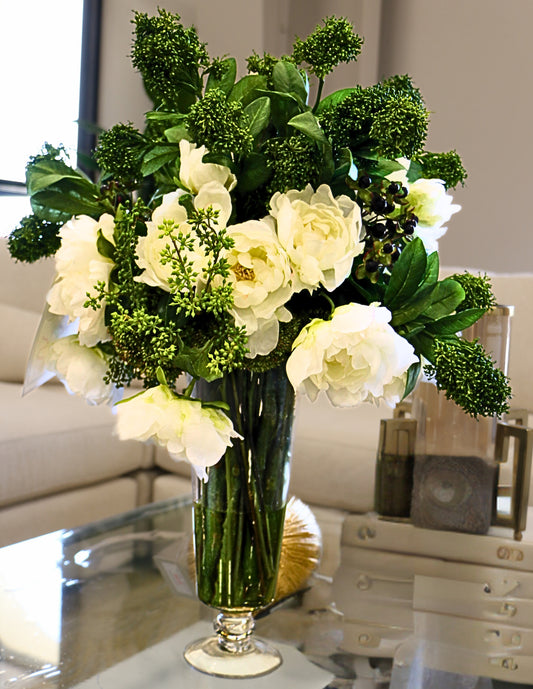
pixel 239 511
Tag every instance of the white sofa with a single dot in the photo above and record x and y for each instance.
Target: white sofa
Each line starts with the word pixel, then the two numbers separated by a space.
pixel 62 466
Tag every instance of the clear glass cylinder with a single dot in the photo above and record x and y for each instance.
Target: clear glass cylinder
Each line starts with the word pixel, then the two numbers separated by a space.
pixel 239 515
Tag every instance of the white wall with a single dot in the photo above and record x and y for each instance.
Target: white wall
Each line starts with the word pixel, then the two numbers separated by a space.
pixel 471 59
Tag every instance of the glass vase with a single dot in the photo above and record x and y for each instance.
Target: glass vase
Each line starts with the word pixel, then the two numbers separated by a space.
pixel 239 514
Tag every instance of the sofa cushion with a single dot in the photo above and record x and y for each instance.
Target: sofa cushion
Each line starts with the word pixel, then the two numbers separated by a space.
pixel 51 441
pixel 67 510
pixel 19 327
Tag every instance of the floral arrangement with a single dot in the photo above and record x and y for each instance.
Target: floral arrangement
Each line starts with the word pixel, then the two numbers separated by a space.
pixel 250 226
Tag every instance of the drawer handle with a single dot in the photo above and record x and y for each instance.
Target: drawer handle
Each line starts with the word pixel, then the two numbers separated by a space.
pixel 508 609
pixel 505 663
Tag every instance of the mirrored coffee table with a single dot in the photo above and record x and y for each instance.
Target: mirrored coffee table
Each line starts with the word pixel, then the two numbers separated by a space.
pixel 112 605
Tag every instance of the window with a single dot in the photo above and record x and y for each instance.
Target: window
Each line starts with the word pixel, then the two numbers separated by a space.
pixel 43 101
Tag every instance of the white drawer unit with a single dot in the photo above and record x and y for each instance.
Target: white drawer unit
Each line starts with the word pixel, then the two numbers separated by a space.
pixel 465 600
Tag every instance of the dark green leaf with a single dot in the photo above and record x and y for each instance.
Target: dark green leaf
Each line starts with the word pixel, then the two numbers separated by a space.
pixel 226 82
pixel 333 99
pixel 446 297
pixel 423 344
pixel 449 325
pixel 414 307
pixel 70 204
pixel 254 172
pixel 105 247
pixel 218 159
pixel 247 88
pixel 287 78
pixel 307 123
pixel 258 113
pixel 159 156
pixel 413 374
pixel 177 133
pixel 407 274
pixel 432 270
pixel 415 172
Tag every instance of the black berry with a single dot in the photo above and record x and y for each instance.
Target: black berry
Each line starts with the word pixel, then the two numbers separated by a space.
pixel 364 181
pixel 378 204
pixel 393 188
pixel 378 230
pixel 371 266
pixel 388 248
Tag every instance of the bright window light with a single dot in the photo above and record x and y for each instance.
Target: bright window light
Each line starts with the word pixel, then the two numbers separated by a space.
pixel 40 53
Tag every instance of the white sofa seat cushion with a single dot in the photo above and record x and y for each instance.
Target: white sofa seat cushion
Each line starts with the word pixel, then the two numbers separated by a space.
pixel 51 441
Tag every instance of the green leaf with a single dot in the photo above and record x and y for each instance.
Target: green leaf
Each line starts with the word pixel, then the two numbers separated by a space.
pixel 415 172
pixel 105 247
pixel 67 203
pixel 177 133
pixel 258 113
pixel 407 274
pixel 333 99
pixel 226 82
pixel 253 173
pixel 423 344
pixel 195 361
pixel 216 404
pixel 449 325
pixel 432 270
pixel 159 156
pixel 446 297
pixel 247 88
pixel 345 165
pixel 287 78
pixel 413 374
pixel 160 375
pixel 283 107
pixel 307 123
pixel 414 307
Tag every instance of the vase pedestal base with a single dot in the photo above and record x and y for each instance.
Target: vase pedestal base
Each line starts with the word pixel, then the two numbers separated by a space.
pixel 233 652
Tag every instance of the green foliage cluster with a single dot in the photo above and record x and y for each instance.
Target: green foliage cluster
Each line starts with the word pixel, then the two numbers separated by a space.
pixel 389 119
pixel 328 46
pixel 445 166
pixel 170 58
pixel 220 124
pixel 469 377
pixel 478 291
pixel 33 239
pixel 119 153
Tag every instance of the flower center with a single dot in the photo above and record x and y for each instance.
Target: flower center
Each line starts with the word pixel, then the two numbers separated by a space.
pixel 242 273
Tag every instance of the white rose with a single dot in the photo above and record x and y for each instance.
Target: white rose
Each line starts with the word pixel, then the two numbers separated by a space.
pixel 355 357
pixel 155 272
pixel 321 234
pixel 82 370
pixel 194 173
pixel 260 273
pixel 433 206
pixel 79 267
pixel 216 195
pixel 199 435
pixel 431 203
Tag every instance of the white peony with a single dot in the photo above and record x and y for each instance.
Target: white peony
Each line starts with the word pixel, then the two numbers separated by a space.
pixel 199 435
pixel 155 272
pixel 321 234
pixel 194 173
pixel 430 202
pixel 218 197
pixel 82 370
pixel 260 272
pixel 79 267
pixel 355 357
